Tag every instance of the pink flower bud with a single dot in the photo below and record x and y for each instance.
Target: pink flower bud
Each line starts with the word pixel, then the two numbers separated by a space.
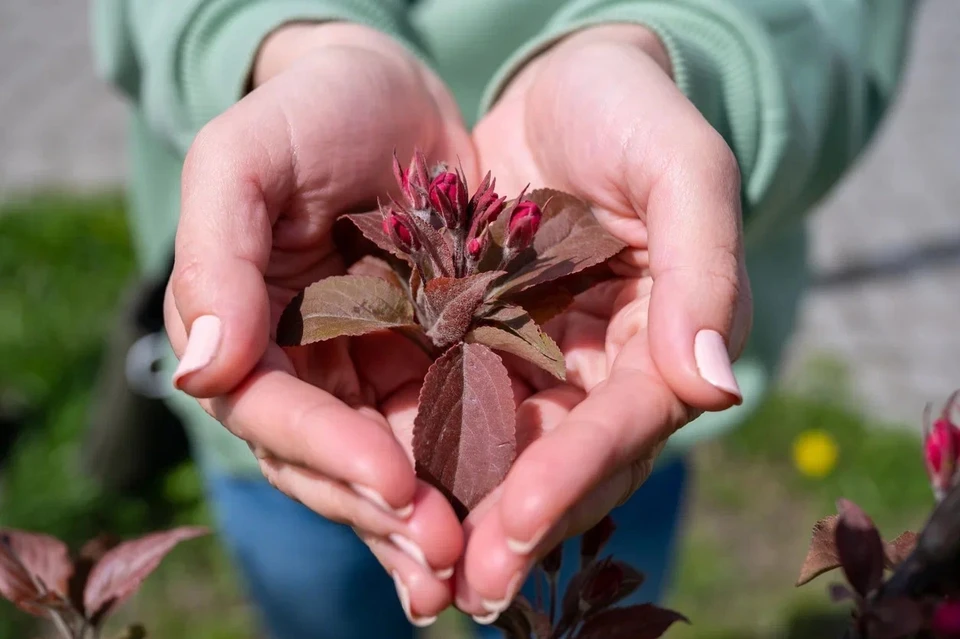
pixel 941 450
pixel 400 232
pixel 945 623
pixel 524 224
pixel 414 181
pixel 448 195
pixel 475 247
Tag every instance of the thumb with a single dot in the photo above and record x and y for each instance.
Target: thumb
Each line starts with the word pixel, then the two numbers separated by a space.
pixel 700 305
pixel 219 323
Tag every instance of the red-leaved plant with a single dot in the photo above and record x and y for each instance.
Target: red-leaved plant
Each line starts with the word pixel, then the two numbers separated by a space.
pixel 463 276
pixel 587 607
pixel 78 593
pixel 466 276
pixel 908 587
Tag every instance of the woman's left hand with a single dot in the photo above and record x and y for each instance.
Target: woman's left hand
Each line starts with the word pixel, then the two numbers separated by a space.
pixel 599 116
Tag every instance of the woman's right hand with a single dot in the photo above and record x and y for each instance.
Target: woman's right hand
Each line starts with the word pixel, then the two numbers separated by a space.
pixel 262 184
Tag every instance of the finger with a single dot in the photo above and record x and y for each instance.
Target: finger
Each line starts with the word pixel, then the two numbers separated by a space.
pixel 700 286
pixel 672 187
pixel 622 420
pixel 422 595
pixel 432 536
pixel 315 430
pixel 230 186
pixel 493 574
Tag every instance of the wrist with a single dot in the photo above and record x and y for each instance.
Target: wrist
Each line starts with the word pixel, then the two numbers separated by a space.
pixel 292 42
pixel 634 36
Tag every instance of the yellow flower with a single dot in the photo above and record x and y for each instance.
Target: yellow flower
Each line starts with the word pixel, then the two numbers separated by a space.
pixel 815 453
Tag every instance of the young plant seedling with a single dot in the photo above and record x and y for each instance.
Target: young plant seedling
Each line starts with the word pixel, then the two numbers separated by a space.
pixel 587 608
pixel 465 277
pixel 78 593
pixel 908 587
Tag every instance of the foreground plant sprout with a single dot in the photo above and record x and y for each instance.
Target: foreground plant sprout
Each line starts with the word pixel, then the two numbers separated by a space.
pixel 587 609
pixel 78 593
pixel 464 276
pixel 908 587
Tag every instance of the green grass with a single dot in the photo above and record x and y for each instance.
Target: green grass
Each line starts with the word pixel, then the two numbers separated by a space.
pixel 63 264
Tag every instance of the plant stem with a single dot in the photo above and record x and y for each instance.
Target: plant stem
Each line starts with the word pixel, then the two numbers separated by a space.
pixel 61 625
pixel 553 595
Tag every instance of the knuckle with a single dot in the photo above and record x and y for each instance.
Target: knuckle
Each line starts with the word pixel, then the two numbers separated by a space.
pixel 722 160
pixel 188 277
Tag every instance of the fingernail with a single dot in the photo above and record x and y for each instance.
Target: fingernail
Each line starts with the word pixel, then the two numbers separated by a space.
pixel 444 574
pixel 201 348
pixel 713 362
pixel 486 620
pixel 499 605
pixel 410 548
pixel 377 499
pixel 404 595
pixel 526 547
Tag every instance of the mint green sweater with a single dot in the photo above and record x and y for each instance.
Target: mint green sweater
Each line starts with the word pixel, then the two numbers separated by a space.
pixel 796 87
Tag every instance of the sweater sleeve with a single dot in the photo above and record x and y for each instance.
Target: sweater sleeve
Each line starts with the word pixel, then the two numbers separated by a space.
pixel 796 88
pixel 182 62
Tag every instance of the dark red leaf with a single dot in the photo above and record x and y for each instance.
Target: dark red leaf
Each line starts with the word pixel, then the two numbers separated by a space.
pixel 897 618
pixel 464 436
pixel 606 583
pixel 593 541
pixel 822 555
pixel 449 304
pixel 370 266
pixel 521 621
pixel 899 549
pixel 32 567
pixel 643 621
pixel 344 305
pixel 88 557
pixel 511 330
pixel 569 240
pixel 370 224
pixel 839 592
pixel 545 301
pixel 859 548
pixel 570 613
pixel 123 568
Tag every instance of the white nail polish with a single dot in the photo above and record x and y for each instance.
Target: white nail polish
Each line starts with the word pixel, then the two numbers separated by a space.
pixel 444 574
pixel 410 548
pixel 404 595
pixel 526 547
pixel 499 605
pixel 377 499
pixel 486 620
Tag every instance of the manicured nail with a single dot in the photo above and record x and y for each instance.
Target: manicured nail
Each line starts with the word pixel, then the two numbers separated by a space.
pixel 713 362
pixel 499 605
pixel 404 595
pixel 377 500
pixel 526 547
pixel 444 574
pixel 201 348
pixel 410 548
pixel 486 620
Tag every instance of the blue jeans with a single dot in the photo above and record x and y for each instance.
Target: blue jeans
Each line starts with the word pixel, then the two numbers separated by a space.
pixel 313 579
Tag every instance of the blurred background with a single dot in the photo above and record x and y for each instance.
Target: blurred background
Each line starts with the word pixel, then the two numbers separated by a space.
pixel 878 339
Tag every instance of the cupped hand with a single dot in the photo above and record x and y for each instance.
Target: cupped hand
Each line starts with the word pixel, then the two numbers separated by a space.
pixel 262 185
pixel 599 115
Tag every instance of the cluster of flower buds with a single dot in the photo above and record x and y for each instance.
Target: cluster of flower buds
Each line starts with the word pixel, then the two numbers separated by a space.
pixel 941 448
pixel 439 200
